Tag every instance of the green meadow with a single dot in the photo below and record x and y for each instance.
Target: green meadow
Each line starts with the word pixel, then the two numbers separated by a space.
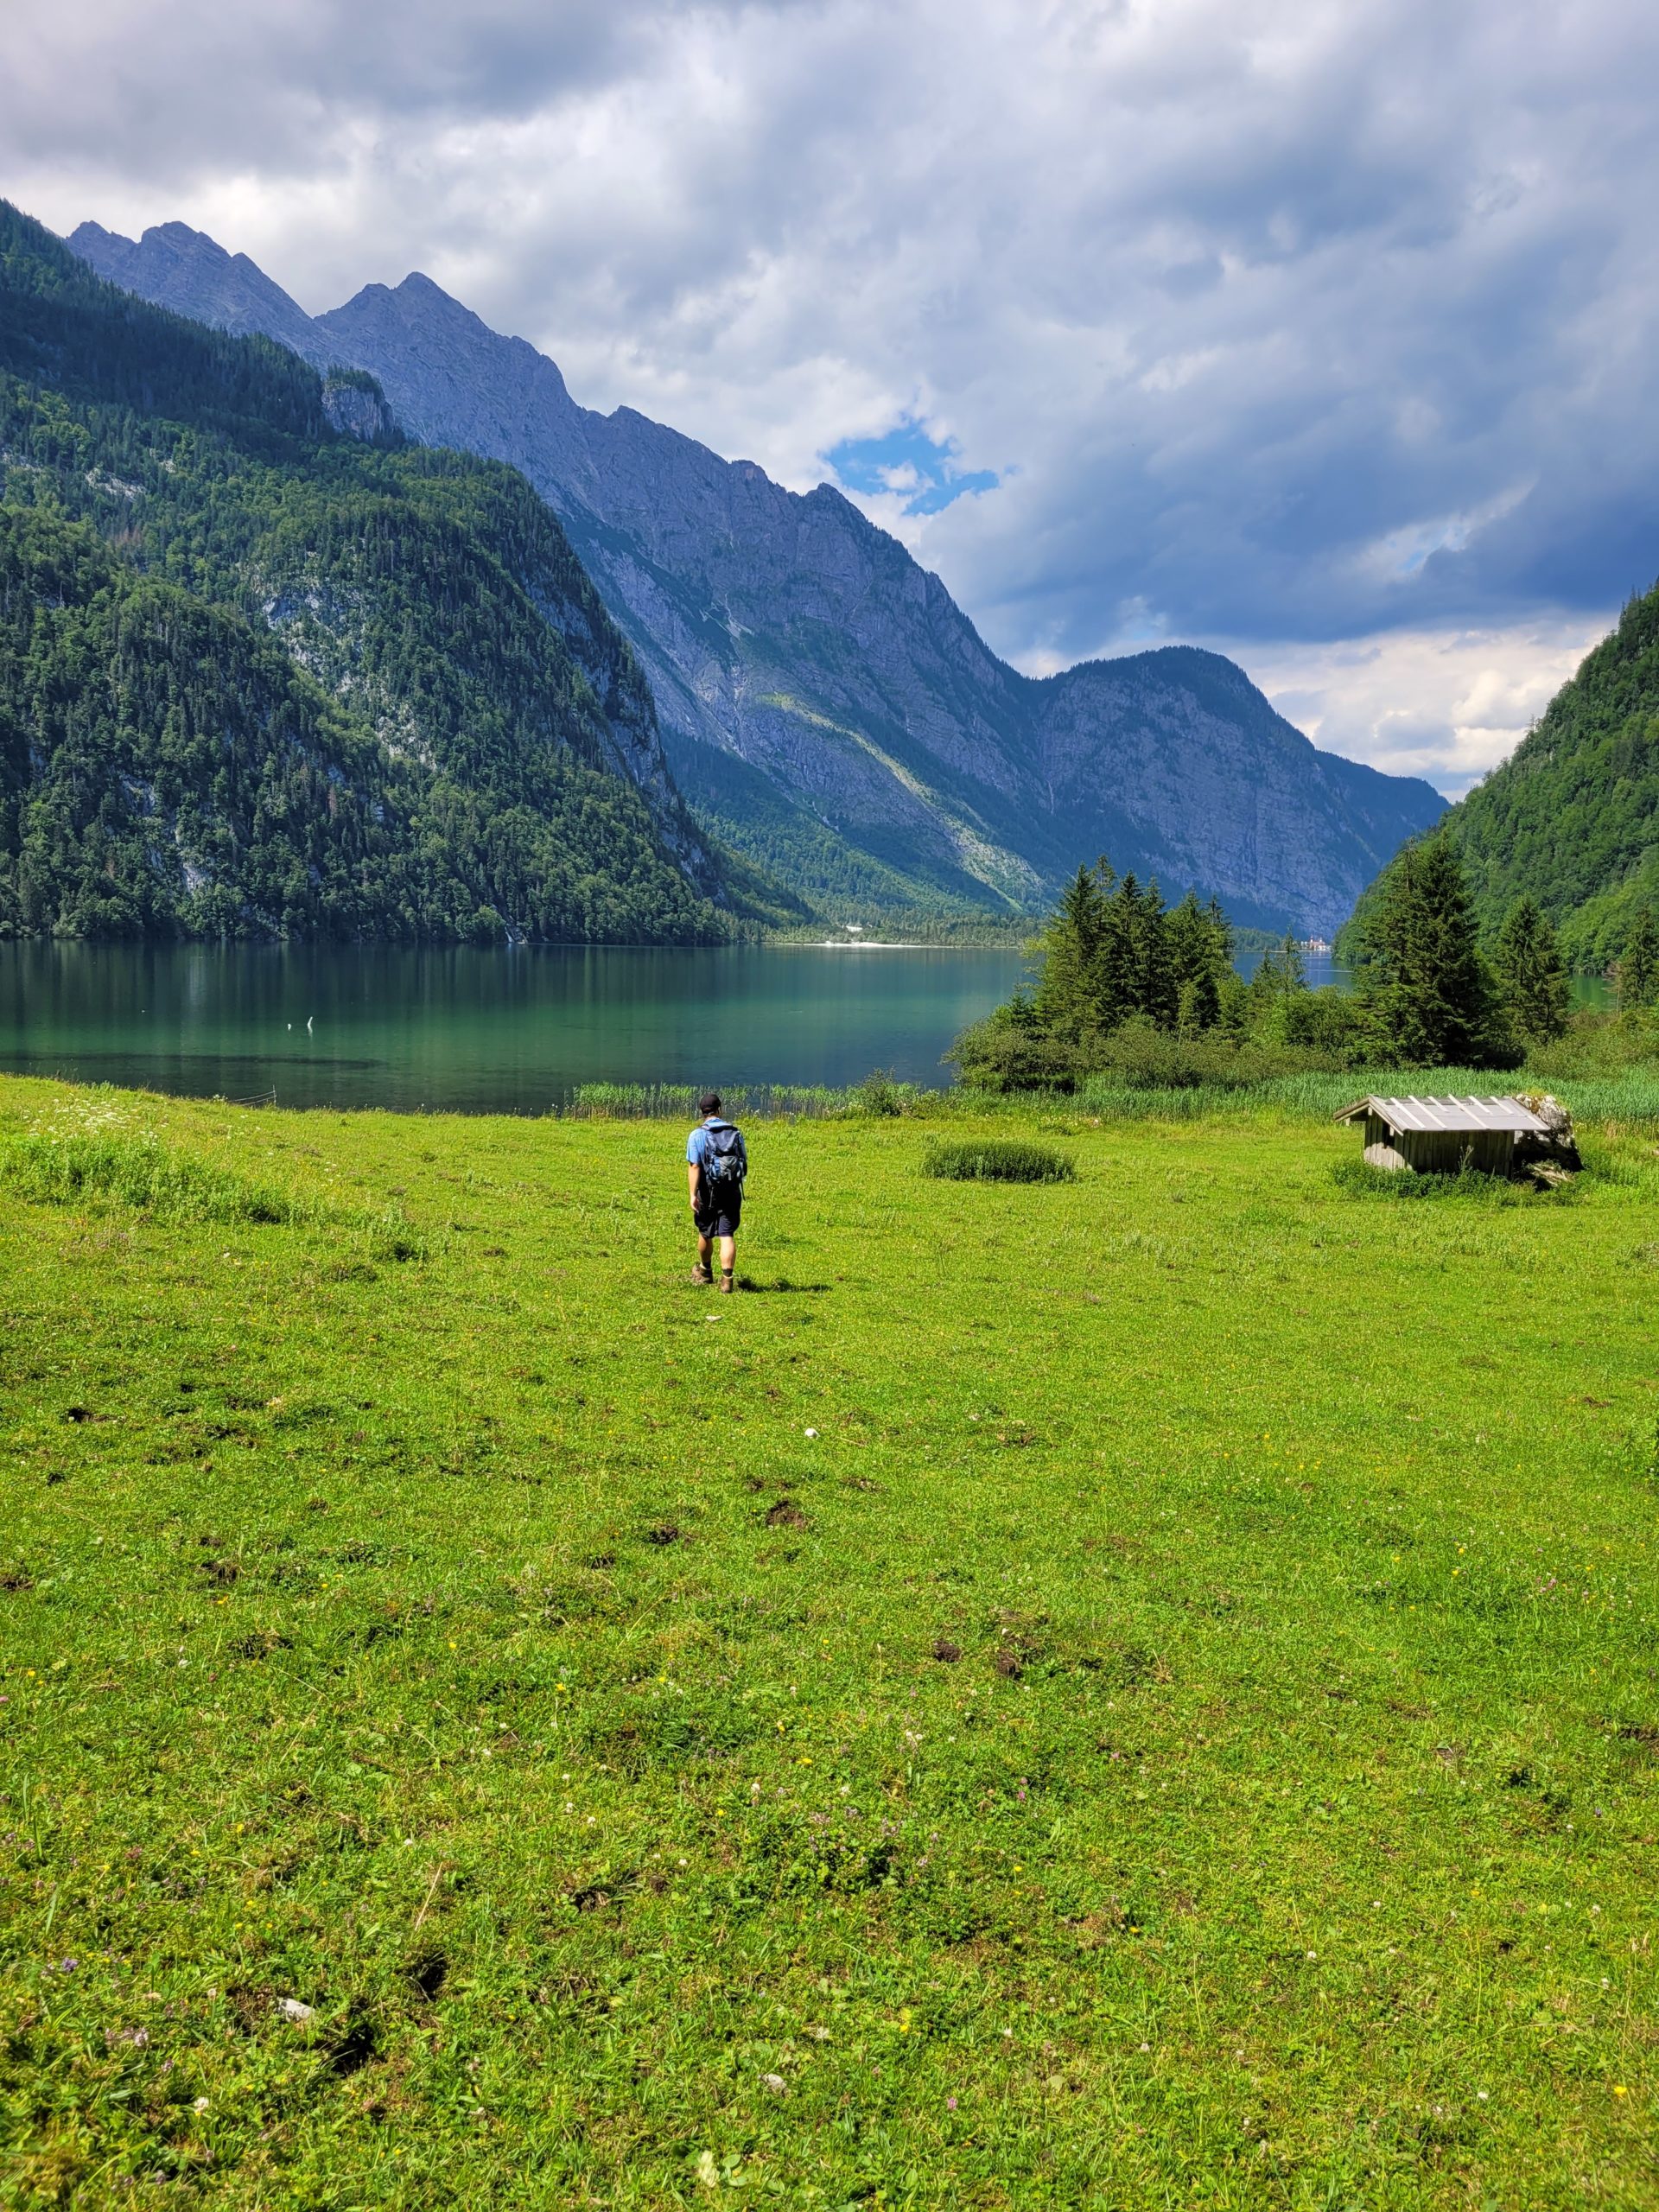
pixel 1131 1691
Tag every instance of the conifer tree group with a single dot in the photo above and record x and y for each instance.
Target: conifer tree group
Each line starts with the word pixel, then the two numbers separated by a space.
pixel 1532 974
pixel 1127 985
pixel 1434 998
pixel 1112 953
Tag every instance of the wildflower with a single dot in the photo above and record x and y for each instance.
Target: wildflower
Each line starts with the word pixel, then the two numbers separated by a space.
pixel 951 2104
pixel 200 2105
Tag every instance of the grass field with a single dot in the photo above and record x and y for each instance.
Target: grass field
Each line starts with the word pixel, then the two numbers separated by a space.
pixel 1134 1691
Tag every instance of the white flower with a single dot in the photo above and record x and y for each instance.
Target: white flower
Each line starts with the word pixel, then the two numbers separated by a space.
pixel 776 2083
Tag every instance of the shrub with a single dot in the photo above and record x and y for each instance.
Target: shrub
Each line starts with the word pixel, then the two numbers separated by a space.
pixel 880 1093
pixel 997 1159
pixel 1007 1051
pixel 1333 1023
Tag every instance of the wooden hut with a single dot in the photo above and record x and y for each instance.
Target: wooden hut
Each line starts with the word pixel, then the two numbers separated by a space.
pixel 1437 1136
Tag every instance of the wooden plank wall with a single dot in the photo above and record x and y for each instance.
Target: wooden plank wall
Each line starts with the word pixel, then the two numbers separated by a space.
pixel 1437 1152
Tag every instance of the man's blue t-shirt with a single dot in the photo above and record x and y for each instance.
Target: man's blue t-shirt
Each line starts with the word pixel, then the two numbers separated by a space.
pixel 697 1146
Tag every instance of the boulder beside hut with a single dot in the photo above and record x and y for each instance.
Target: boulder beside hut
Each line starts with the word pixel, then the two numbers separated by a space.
pixel 1438 1136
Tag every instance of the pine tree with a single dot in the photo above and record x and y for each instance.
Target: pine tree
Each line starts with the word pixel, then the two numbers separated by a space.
pixel 1428 986
pixel 1281 974
pixel 1639 967
pixel 1199 1005
pixel 1200 951
pixel 1221 935
pixel 1068 994
pixel 1531 973
pixel 1119 974
pixel 1156 990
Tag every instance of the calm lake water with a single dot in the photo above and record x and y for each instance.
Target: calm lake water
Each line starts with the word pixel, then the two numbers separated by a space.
pixel 495 1032
pixel 474 1032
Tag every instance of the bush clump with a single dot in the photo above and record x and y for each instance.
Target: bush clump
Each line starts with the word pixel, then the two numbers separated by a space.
pixel 997 1159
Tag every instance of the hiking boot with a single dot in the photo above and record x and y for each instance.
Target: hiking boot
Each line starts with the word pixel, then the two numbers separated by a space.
pixel 702 1274
pixel 726 1283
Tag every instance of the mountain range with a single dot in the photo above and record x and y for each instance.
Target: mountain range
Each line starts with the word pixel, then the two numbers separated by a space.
pixel 268 669
pixel 832 717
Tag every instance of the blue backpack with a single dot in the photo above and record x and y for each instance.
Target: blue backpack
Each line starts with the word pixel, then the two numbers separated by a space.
pixel 724 1160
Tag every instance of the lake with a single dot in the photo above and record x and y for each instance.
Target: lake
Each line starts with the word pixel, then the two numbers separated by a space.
pixel 484 1032
pixel 461 1031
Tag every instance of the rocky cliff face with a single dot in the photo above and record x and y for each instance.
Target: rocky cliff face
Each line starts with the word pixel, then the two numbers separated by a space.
pixel 826 706
pixel 356 407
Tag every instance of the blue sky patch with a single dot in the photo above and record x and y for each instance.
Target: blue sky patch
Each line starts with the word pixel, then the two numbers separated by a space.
pixel 920 470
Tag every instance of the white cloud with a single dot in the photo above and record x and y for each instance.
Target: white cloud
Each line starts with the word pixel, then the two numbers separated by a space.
pixel 1447 705
pixel 1288 321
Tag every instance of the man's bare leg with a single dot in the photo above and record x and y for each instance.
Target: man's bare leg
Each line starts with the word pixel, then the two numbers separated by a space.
pixel 705 1272
pixel 727 1260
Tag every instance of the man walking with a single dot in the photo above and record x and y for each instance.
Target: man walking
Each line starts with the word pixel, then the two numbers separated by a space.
pixel 715 1164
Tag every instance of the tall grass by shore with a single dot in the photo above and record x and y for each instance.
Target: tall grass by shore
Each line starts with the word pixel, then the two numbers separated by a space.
pixel 1629 1095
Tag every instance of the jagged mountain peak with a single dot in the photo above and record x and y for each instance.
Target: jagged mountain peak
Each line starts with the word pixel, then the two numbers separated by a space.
pixel 827 707
pixel 185 270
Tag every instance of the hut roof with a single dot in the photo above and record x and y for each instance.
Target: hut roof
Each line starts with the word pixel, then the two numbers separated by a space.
pixel 1448 1113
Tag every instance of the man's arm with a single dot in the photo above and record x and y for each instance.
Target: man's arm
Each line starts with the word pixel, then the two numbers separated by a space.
pixel 694 1181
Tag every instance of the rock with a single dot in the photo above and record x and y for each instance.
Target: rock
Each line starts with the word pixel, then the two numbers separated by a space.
pixel 357 407
pixel 1554 1156
pixel 292 2009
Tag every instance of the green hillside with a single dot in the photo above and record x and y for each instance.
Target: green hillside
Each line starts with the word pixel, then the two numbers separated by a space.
pixel 259 677
pixel 1572 818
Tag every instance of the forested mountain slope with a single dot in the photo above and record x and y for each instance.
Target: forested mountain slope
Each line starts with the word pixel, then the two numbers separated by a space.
pixel 827 708
pixel 258 676
pixel 1571 819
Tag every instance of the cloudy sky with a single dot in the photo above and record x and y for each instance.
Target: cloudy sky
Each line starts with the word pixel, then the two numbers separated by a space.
pixel 1325 331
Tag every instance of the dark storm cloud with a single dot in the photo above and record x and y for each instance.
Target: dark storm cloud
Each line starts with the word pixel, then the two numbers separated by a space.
pixel 178 86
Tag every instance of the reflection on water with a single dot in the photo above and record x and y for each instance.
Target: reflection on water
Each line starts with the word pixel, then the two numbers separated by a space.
pixel 469 1031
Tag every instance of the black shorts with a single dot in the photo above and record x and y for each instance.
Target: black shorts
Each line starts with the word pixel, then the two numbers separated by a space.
pixel 719 1211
